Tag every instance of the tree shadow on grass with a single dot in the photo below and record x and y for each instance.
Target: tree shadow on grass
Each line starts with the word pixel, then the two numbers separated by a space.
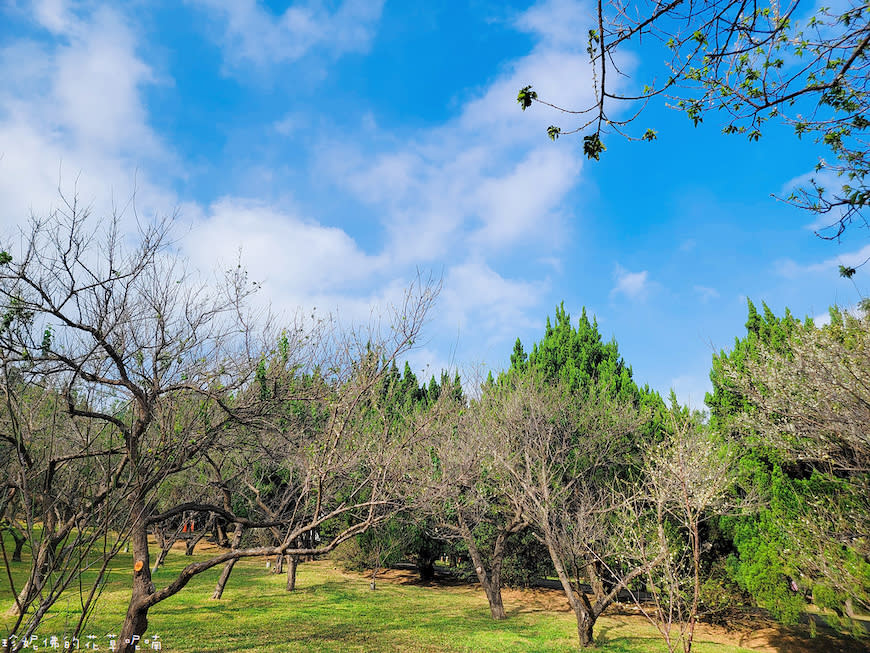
pixel 605 639
pixel 798 640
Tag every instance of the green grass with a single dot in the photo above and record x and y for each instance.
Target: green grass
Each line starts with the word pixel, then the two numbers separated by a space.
pixel 335 611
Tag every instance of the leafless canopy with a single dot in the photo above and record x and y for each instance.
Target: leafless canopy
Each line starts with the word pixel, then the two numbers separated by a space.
pixel 159 371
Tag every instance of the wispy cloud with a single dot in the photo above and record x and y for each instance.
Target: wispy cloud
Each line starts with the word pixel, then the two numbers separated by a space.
pixel 290 123
pixel 825 179
pixel 54 15
pixel 478 300
pixel 486 181
pixel 250 33
pixel 829 267
pixel 633 285
pixel 688 245
pixel 705 293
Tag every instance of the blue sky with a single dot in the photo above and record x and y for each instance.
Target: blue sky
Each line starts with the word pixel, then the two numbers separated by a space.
pixel 343 145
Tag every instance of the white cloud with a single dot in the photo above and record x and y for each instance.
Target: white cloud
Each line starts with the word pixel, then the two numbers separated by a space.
pixel 253 34
pixel 557 22
pixel 822 319
pixel 512 205
pixel 633 285
pixel 300 264
pixel 295 259
pixel 830 267
pixel 72 116
pixel 554 262
pixel 97 89
pixel 705 293
pixel 454 196
pixel 482 183
pixel 289 124
pixel 477 300
pixel 54 15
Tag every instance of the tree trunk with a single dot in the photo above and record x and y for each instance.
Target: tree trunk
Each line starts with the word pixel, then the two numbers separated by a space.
pixel 279 565
pixel 23 597
pixel 425 566
pixel 848 608
pixel 166 540
pixel 491 588
pixel 135 625
pixel 496 606
pixel 495 572
pixel 20 540
pixel 220 536
pixel 291 573
pixel 228 567
pixel 222 581
pixel 35 580
pixel 585 622
pixel 194 538
pixel 595 577
pixel 583 611
pixel 161 558
pixel 136 620
pixel 191 543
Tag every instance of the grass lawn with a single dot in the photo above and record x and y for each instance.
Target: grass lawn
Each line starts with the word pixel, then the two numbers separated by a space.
pixel 333 610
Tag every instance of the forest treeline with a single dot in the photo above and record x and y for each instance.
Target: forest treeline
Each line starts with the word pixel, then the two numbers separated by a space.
pixel 142 400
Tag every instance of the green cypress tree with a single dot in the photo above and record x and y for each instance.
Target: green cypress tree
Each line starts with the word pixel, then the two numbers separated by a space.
pixel 579 357
pixel 790 546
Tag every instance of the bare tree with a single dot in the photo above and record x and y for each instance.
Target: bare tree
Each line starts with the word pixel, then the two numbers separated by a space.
pixel 166 537
pixel 169 362
pixel 467 492
pixel 344 477
pixel 63 496
pixel 563 455
pixel 139 352
pixel 685 483
pixel 9 523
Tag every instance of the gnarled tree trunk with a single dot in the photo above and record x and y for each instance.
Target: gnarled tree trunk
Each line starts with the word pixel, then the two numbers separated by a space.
pixel 136 620
pixel 491 586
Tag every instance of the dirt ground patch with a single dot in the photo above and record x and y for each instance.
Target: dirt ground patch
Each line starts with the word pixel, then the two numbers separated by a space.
pixel 760 634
